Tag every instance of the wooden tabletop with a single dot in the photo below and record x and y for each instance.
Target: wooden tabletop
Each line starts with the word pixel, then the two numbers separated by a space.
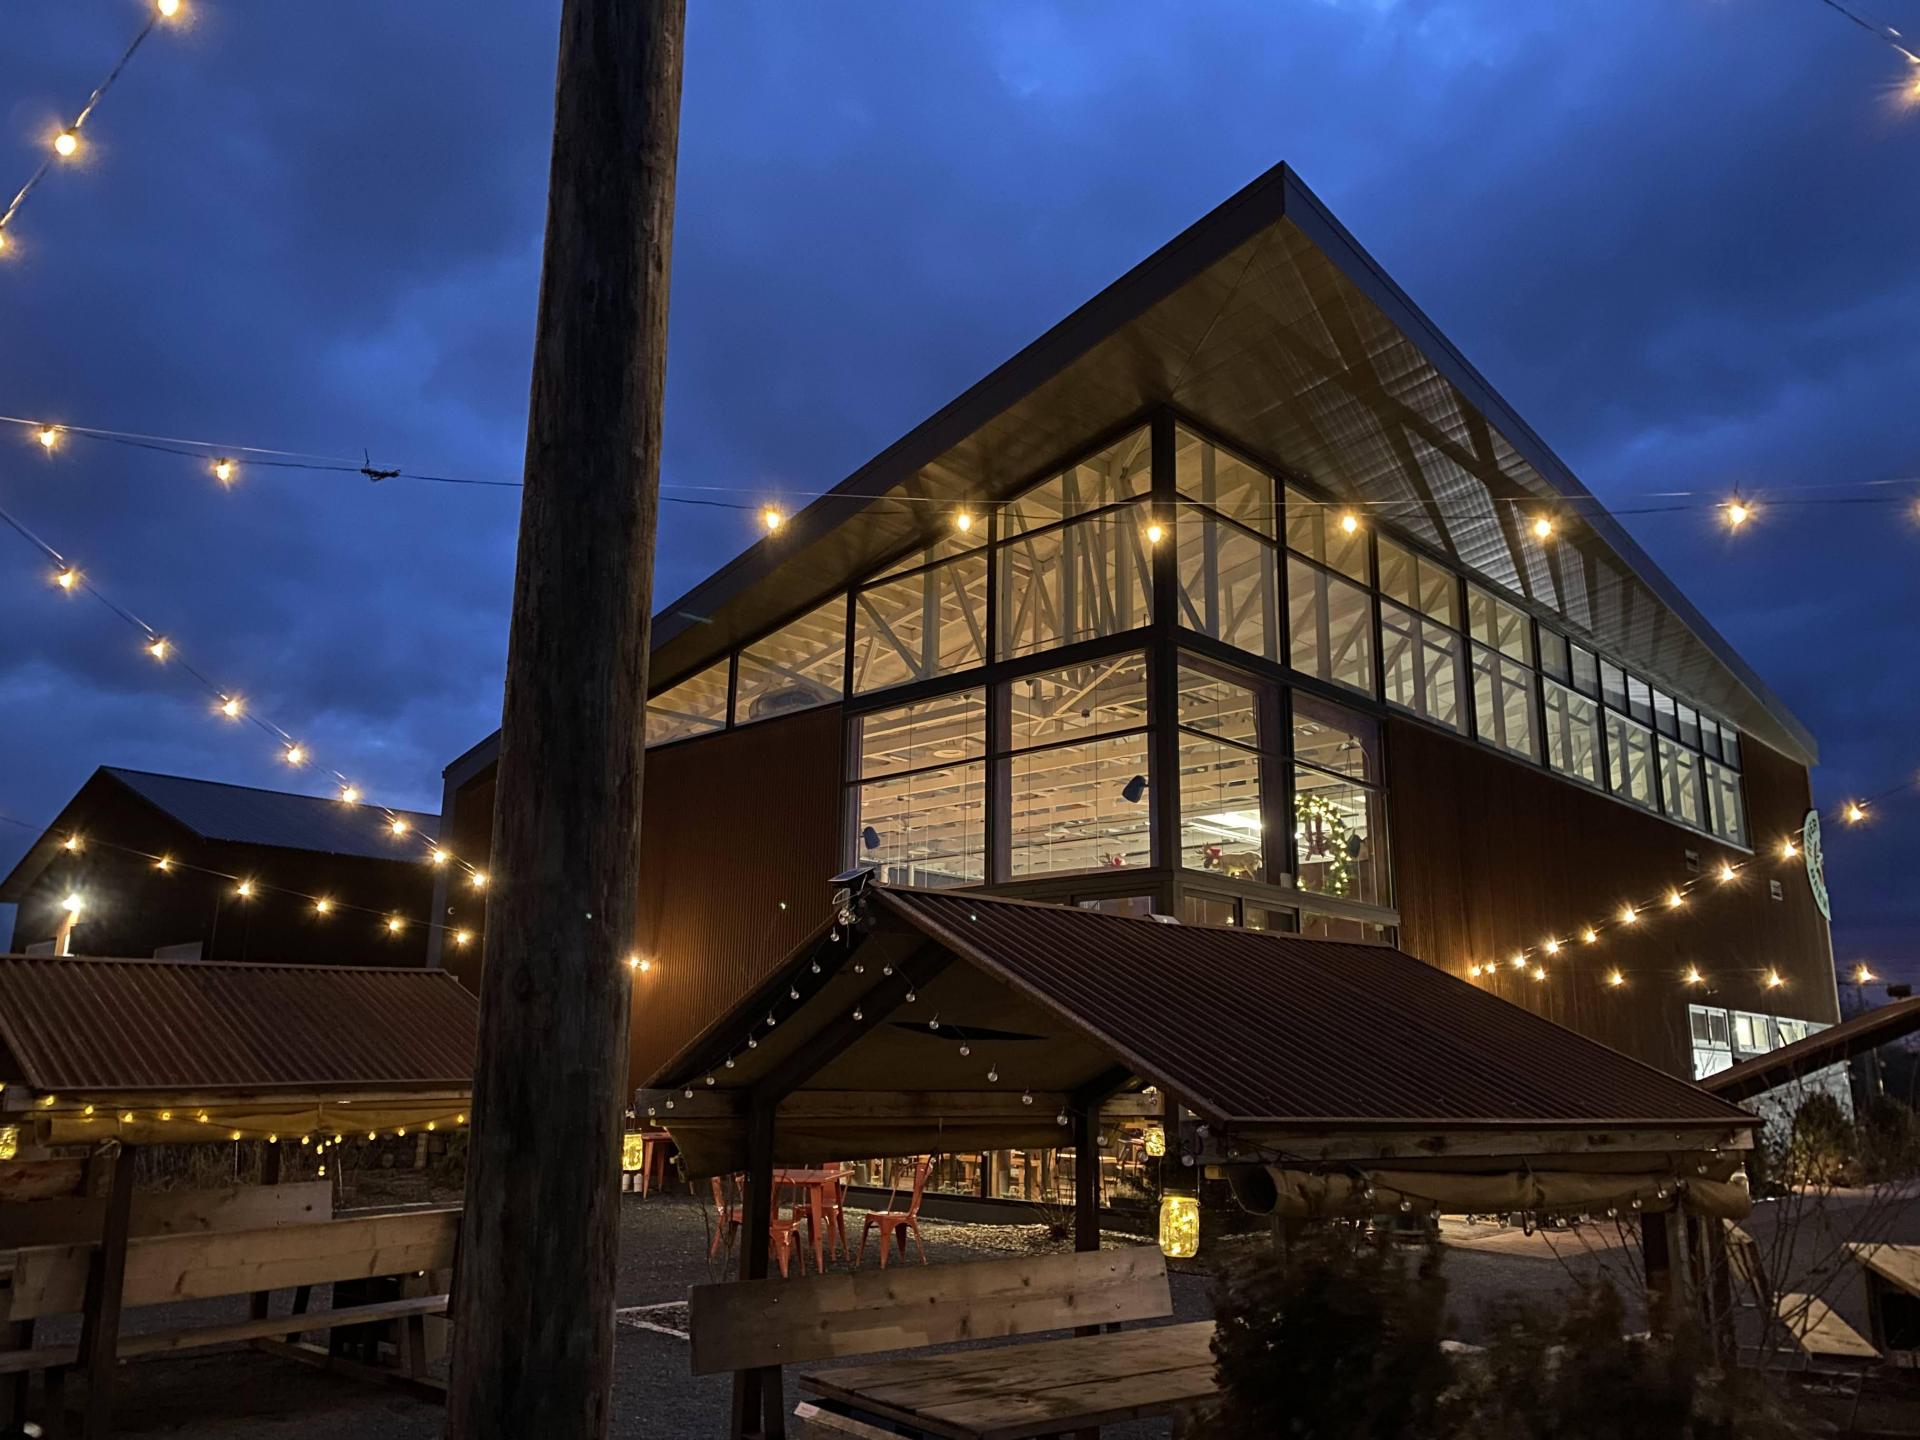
pixel 1006 1392
pixel 1899 1265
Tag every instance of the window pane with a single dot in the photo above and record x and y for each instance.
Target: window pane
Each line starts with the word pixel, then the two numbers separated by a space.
pixel 1210 475
pixel 1220 826
pixel 696 706
pixel 1261 917
pixel 954 542
pixel 1079 807
pixel 1503 702
pixel 795 668
pixel 1492 621
pixel 1586 671
pixel 1680 783
pixel 1613 685
pixel 1335 826
pixel 1074 583
pixel 1332 737
pixel 927 732
pixel 1336 927
pixel 1725 810
pixel 1639 700
pixel 1689 726
pixel 1710 737
pixel 928 827
pixel 1119 472
pixel 1331 626
pixel 927 624
pixel 1218 707
pixel 1665 720
pixel 1421 661
pixel 1554 659
pixel 1730 744
pixel 1229 585
pixel 1573 734
pixel 1101 697
pixel 1206 910
pixel 1419 583
pixel 1630 760
pixel 1138 906
pixel 1313 530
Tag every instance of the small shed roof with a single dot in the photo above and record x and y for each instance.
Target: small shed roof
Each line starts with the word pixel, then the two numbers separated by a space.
pixel 77 1027
pixel 243 815
pixel 1832 1046
pixel 978 1020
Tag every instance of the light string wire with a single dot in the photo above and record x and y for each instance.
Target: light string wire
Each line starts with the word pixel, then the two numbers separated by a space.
pixel 320 906
pixel 231 703
pixel 219 455
pixel 1886 34
pixel 1532 959
pixel 163 9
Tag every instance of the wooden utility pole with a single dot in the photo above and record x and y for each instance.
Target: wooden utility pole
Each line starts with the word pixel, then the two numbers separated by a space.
pixel 533 1310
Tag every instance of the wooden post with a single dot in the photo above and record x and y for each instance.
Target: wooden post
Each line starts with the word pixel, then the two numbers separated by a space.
pixel 759 1397
pixel 106 1282
pixel 533 1336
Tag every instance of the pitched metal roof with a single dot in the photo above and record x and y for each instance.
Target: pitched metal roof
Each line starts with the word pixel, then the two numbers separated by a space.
pixel 1832 1046
pixel 243 815
pixel 1253 1025
pixel 77 1026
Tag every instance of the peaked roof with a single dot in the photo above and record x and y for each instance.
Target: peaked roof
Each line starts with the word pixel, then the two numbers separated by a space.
pixel 1248 1028
pixel 77 1026
pixel 241 815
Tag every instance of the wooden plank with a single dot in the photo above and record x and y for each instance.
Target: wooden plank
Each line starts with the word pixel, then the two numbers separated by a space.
pixel 828 1317
pixel 105 1296
pixel 1013 1391
pixel 174 1341
pixel 1898 1265
pixel 320 1359
pixel 50 1280
pixel 1820 1332
pixel 166 1212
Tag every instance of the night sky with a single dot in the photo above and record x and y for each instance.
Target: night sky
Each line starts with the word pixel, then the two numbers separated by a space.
pixel 1678 235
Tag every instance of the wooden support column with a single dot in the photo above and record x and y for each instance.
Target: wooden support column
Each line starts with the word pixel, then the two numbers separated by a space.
pixel 759 1398
pixel 106 1282
pixel 534 1331
pixel 1654 1256
pixel 259 1302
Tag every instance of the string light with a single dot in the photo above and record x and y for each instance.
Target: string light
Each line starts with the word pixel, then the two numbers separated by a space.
pixel 1726 872
pixel 1737 511
pixel 48 436
pixel 1349 523
pixel 164 863
pixel 963 522
pixel 232 707
pixel 438 856
pixel 1552 947
pixel 1589 935
pixel 1693 976
pixel 73 843
pixel 66 144
pixel 223 470
pixel 1774 982
pixel 323 906
pixel 1628 915
pixel 1520 962
pixel 1788 849
pixel 462 938
pixel 1543 528
pixel 398 826
pixel 158 647
pixel 1855 812
pixel 1675 899
pixel 66 579
pixel 772 519
pixel 478 880
pixel 73 904
pixel 1615 979
pixel 1863 974
pixel 1155 533
pixel 296 755
pixel 349 795
pixel 244 889
pixel 1539 973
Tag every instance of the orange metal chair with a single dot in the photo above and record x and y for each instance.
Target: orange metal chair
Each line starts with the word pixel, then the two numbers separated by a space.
pixel 783 1238
pixel 896 1225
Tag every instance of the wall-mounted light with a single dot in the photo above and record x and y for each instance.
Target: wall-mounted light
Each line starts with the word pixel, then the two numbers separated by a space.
pixel 1134 789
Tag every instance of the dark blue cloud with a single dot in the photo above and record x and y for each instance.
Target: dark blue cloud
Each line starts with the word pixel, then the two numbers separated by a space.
pixel 1677 237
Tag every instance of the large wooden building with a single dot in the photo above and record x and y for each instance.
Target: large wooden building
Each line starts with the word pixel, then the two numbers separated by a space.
pixel 1238 597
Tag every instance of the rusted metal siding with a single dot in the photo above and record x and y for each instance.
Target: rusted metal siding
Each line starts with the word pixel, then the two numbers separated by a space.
pixel 74 1025
pixel 1492 856
pixel 1248 1025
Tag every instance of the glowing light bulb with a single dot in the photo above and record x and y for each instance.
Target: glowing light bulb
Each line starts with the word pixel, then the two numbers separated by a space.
pixel 1628 915
pixel 478 880
pixel 66 144
pixel 395 924
pixel 73 904
pixel 167 8
pixel 1539 973
pixel 231 707
pixel 1474 970
pixel 1552 947
pixel 1863 975
pixel 72 843
pixel 963 522
pixel 633 962
pixel 772 519
pixel 3 241
pixel 398 826
pixel 296 754
pixel 349 795
pixel 1856 812
pixel 223 469
pixel 1693 976
pixel 1788 849
pixel 1737 513
pixel 1543 528
pixel 1349 522
pixel 159 647
pixel 1589 935
pixel 323 906
pixel 1156 533
pixel 462 937
pixel 1675 899
pixel 438 856
pixel 1726 872
pixel 48 436
pixel 244 889
pixel 1616 979
pixel 165 862
pixel 66 579
pixel 1774 982
pixel 1519 962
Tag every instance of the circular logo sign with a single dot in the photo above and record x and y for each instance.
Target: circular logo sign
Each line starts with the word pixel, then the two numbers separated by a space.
pixel 1816 863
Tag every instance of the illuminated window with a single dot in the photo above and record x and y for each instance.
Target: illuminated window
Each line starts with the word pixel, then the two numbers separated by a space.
pixel 799 666
pixel 1330 626
pixel 1078 781
pixel 1573 733
pixel 696 706
pixel 1630 760
pixel 931 622
pixel 1503 705
pixel 1419 584
pixel 1680 783
pixel 1229 584
pixel 1209 476
pixel 1123 471
pixel 1726 813
pixel 1075 582
pixel 919 810
pixel 1422 663
pixel 1221 815
pixel 1339 836
pixel 1499 626
pixel 1314 530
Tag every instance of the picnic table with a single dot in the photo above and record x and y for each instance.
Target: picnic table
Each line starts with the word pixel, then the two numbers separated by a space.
pixel 1044 1387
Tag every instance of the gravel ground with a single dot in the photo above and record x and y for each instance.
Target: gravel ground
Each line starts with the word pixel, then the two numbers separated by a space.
pixel 238 1394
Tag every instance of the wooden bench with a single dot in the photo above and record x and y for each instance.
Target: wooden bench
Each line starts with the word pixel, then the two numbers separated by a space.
pixel 205 1245
pixel 761 1325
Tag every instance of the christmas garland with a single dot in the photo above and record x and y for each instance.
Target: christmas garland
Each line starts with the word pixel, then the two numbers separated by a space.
pixel 1333 829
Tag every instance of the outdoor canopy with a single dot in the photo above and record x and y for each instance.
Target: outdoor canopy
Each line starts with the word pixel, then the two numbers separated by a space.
pixel 924 1021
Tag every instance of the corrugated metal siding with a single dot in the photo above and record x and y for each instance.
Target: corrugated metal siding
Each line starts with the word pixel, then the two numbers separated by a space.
pixel 111 1025
pixel 1249 1025
pixel 247 816
pixel 1491 856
